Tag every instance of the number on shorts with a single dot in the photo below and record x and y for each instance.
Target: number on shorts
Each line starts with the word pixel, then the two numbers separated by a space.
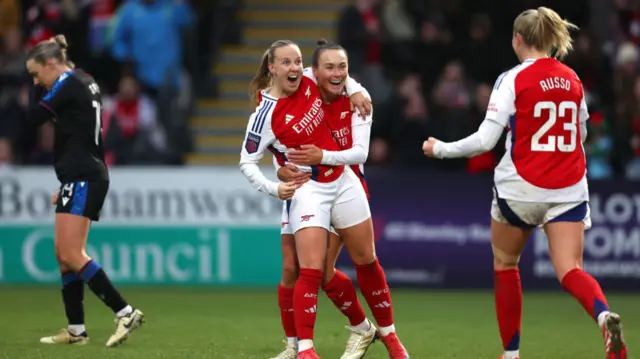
pixel 96 105
pixel 555 142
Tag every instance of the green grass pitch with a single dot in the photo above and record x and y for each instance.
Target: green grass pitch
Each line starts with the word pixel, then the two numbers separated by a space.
pixel 198 324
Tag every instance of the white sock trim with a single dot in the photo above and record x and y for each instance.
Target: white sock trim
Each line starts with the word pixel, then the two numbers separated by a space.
pixel 292 341
pixel 304 344
pixel 124 311
pixel 76 329
pixel 384 331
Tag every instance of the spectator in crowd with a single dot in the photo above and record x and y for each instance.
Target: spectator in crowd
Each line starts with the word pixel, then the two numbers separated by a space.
pixel 133 133
pixel 591 65
pixel 632 169
pixel 452 90
pixel 431 49
pixel 14 91
pixel 147 33
pixel 43 21
pixel 10 15
pixel 482 56
pixel 598 148
pixel 400 32
pixel 43 153
pixel 429 65
pixel 360 32
pixel 626 65
pixel 6 153
pixel 459 49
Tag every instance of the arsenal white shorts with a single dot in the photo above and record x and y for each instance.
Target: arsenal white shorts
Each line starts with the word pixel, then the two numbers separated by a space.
pixel 286 226
pixel 341 204
pixel 528 215
pixel 351 206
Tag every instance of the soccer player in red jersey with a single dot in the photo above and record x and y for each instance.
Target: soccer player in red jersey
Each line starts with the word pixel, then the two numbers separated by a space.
pixel 352 132
pixel 541 180
pixel 338 287
pixel 290 114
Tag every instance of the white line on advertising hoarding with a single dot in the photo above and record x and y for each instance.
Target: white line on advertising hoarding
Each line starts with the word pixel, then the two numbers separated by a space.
pixel 224 254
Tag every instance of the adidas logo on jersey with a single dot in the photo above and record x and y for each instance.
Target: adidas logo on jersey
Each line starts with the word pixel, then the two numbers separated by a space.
pixel 343 114
pixel 288 118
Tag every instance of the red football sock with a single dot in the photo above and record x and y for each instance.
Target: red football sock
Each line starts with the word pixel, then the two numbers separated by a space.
pixel 305 301
pixel 373 285
pixel 285 302
pixel 508 297
pixel 587 291
pixel 342 293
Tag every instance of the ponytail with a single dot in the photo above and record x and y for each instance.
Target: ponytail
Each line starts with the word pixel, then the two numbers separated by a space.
pixel 55 47
pixel 545 30
pixel 261 80
pixel 61 40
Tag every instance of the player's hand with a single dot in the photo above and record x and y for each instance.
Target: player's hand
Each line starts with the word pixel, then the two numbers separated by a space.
pixel 307 155
pixel 286 190
pixel 291 173
pixel 362 103
pixel 428 145
pixel 54 197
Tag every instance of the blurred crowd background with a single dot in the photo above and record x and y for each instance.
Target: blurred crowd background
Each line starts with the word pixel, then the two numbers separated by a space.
pixel 429 64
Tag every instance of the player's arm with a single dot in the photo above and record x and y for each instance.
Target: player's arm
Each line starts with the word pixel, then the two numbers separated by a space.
pixel 583 116
pixel 258 137
pixel 289 173
pixel 358 153
pixel 280 169
pixel 501 107
pixel 47 105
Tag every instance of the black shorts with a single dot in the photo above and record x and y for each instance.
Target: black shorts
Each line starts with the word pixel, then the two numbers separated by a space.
pixel 82 198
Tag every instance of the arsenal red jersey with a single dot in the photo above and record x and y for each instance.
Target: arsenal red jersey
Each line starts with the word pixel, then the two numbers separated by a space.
pixel 280 124
pixel 542 104
pixel 342 122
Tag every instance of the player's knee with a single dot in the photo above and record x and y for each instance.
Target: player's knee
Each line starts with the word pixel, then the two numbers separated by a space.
pixel 289 275
pixel 63 253
pixel 501 265
pixel 65 258
pixel 362 254
pixel 503 260
pixel 63 267
pixel 70 259
pixel 363 257
pixel 562 269
pixel 329 273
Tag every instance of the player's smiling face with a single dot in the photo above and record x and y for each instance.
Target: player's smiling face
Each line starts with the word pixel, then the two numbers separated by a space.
pixel 43 75
pixel 332 71
pixel 286 69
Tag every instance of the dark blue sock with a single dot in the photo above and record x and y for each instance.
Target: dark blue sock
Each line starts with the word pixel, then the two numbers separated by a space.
pixel 73 298
pixel 97 280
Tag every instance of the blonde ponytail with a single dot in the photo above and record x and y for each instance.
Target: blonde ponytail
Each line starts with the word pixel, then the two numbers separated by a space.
pixel 54 47
pixel 545 30
pixel 261 80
